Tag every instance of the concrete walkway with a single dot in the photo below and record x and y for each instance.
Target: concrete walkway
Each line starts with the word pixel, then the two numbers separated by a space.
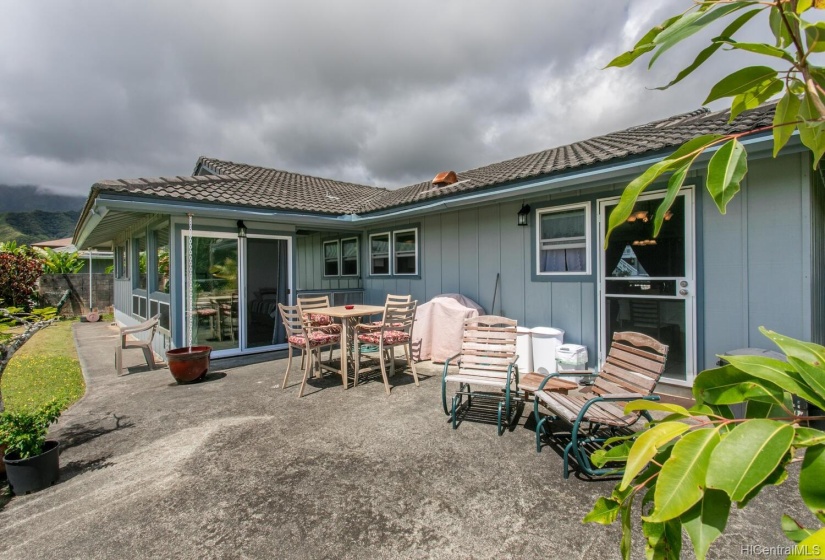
pixel 234 467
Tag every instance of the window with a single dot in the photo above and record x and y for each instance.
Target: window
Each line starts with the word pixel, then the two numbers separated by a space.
pixel 140 250
pixel 379 254
pixel 349 256
pixel 121 262
pixel 562 240
pixel 161 260
pixel 405 247
pixel 331 258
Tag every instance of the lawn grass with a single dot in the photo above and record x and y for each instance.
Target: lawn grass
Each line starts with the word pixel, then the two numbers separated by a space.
pixel 44 368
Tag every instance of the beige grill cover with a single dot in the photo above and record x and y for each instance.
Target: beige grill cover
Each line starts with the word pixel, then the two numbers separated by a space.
pixel 439 325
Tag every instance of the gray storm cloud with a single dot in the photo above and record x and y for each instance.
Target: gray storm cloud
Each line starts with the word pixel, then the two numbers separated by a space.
pixel 381 93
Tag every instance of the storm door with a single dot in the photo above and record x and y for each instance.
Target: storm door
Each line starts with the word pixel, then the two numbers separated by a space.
pixel 647 284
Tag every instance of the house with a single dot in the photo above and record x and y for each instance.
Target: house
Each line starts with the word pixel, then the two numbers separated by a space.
pixel 703 286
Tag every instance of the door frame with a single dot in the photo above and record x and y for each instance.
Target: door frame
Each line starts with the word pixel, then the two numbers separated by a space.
pixel 242 292
pixel 691 338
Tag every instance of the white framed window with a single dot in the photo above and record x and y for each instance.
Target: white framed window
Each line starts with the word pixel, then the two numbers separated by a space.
pixel 563 240
pixel 332 258
pixel 121 262
pixel 140 256
pixel 405 251
pixel 380 254
pixel 350 257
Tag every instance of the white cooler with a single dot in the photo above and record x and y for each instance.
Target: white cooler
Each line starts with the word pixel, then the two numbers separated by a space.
pixel 571 357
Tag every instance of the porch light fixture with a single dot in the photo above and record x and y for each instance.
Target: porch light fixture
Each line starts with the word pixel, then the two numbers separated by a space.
pixel 523 215
pixel 241 229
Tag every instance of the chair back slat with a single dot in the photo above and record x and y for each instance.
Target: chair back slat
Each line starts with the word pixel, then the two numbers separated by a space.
pixel 308 303
pixel 488 346
pixel 399 316
pixel 391 298
pixel 291 318
pixel 633 365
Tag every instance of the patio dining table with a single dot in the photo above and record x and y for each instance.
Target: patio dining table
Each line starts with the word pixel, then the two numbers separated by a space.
pixel 347 316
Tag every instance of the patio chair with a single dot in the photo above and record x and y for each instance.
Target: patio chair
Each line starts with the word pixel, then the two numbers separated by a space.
pixel 395 329
pixel 309 340
pixel 124 342
pixel 323 322
pixel 487 359
pixel 632 369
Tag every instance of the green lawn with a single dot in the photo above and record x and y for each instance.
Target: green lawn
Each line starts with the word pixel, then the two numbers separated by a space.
pixel 44 368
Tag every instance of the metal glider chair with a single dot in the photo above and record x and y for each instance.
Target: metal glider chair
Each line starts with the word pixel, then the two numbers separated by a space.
pixel 633 367
pixel 487 359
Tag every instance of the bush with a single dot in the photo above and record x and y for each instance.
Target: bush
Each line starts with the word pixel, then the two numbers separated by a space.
pixel 24 432
pixel 19 271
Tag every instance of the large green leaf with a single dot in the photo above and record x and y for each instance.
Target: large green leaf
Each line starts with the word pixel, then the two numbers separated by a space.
pixel 602 456
pixel 793 530
pixel 673 185
pixel 777 477
pixel 691 23
pixel 812 480
pixel 604 512
pixel 730 385
pixel 747 455
pixel 706 520
pixel 646 447
pixel 781 374
pixel 786 112
pixel 628 200
pixel 811 131
pixel 726 169
pixel 642 46
pixel 740 81
pixel 814 376
pixel 815 36
pixel 642 404
pixel 682 478
pixel 807 358
pixel 755 97
pixel 627 527
pixel 663 540
pixel 707 52
pixel 807 437
pixel 762 48
pixel 811 548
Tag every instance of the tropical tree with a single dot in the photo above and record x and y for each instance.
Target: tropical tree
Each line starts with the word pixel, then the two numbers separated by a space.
pixel 55 262
pixel 690 467
pixel 19 271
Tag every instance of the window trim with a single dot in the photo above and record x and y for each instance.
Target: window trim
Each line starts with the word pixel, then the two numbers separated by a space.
pixel 357 257
pixel 337 243
pixel 135 263
pixel 121 269
pixel 393 266
pixel 388 233
pixel 588 240
pixel 152 282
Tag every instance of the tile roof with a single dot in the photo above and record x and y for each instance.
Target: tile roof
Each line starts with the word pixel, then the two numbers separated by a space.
pixel 249 185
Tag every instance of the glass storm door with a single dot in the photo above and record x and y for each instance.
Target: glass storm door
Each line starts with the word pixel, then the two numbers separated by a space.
pixel 648 284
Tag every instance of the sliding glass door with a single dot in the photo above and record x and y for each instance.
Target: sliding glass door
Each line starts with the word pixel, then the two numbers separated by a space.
pixel 238 283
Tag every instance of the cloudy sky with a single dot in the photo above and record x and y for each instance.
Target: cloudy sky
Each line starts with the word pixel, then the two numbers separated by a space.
pixel 375 92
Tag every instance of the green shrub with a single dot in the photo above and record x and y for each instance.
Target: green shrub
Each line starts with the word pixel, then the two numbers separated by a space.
pixel 24 432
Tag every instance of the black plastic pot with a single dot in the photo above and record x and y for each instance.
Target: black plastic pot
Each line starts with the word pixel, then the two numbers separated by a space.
pixel 34 473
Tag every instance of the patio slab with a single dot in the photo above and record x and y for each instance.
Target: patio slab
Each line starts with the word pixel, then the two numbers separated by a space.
pixel 235 467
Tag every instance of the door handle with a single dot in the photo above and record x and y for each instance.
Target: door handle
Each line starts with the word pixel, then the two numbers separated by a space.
pixel 683 292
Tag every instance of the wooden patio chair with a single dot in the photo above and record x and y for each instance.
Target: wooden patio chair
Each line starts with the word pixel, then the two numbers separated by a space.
pixel 395 329
pixel 487 359
pixel 124 342
pixel 309 340
pixel 632 369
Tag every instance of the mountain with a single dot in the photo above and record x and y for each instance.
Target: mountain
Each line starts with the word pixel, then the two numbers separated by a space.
pixel 29 198
pixel 31 227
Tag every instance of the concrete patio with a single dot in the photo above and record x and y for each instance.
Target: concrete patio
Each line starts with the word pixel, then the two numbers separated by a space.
pixel 234 467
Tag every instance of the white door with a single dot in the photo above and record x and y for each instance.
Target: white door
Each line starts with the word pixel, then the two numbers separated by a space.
pixel 648 284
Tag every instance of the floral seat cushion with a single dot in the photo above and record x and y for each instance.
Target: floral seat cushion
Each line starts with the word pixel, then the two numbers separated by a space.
pixel 390 337
pixel 317 320
pixel 317 338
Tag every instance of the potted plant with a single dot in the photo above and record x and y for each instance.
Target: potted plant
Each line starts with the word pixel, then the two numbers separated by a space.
pixel 31 461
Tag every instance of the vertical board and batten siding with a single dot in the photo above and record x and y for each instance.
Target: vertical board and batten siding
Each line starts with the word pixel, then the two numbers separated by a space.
pixel 310 265
pixel 757 259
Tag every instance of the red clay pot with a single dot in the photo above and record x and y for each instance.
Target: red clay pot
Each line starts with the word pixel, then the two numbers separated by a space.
pixel 189 363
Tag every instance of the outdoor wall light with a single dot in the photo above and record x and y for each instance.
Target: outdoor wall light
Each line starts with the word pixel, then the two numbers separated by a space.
pixel 523 215
pixel 241 229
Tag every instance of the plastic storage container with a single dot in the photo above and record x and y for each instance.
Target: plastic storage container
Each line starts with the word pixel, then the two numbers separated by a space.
pixel 524 349
pixel 571 356
pixel 545 341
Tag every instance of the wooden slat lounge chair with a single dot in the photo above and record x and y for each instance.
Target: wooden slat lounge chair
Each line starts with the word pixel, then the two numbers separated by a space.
pixel 633 367
pixel 487 359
